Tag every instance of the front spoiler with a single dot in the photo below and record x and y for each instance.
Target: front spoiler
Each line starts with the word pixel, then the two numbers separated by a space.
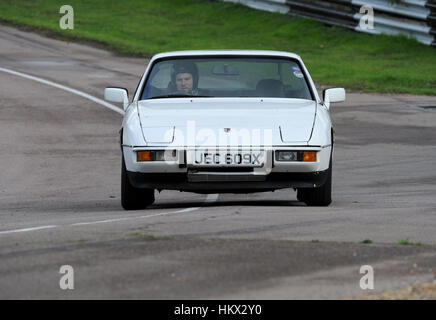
pixel 228 184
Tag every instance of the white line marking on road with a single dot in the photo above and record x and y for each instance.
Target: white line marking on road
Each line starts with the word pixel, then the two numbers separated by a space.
pixel 27 229
pixel 62 87
pixel 133 218
pixel 210 198
pixel 189 209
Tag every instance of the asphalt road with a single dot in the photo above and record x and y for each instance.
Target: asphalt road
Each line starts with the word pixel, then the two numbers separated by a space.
pixel 60 198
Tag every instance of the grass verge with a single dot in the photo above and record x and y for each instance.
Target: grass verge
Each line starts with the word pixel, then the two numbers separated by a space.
pixel 407 242
pixel 334 56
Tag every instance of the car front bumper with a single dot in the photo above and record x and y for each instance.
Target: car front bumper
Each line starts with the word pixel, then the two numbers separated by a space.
pixel 178 175
pixel 233 184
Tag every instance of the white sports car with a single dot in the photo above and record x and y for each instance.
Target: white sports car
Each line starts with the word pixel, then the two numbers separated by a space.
pixel 235 121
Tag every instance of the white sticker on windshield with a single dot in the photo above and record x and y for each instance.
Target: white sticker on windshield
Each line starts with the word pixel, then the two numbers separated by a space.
pixel 298 74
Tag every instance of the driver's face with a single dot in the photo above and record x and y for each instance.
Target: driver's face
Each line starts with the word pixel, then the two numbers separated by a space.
pixel 184 82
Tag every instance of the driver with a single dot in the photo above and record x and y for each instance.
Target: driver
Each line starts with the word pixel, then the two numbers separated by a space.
pixel 185 77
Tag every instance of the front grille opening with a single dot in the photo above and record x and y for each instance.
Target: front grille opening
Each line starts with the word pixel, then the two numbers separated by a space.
pixel 221 170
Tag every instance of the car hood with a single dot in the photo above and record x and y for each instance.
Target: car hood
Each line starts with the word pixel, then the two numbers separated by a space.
pixel 198 121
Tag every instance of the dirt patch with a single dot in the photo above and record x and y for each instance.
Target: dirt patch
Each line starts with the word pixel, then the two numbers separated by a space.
pixel 425 291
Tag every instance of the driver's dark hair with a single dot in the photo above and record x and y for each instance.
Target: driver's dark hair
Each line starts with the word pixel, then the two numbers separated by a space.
pixel 185 67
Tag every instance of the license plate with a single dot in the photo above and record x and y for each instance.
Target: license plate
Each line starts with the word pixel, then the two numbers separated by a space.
pixel 225 158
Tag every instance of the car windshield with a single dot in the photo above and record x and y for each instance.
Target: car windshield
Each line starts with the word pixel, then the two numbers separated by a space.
pixel 226 77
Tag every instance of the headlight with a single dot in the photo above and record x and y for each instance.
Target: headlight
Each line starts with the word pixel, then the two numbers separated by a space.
pixel 287 155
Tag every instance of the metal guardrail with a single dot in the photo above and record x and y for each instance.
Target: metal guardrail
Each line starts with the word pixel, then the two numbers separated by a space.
pixel 413 18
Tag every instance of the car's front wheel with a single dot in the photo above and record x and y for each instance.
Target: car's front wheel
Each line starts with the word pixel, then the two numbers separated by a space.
pixel 134 198
pixel 321 196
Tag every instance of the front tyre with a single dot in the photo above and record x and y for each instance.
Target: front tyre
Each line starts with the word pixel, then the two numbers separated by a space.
pixel 319 197
pixel 134 198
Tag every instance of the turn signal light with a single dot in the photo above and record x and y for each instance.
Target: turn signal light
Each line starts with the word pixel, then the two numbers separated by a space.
pixel 309 156
pixel 144 156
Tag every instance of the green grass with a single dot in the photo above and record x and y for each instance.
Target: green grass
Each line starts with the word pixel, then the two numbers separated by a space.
pixel 334 56
pixel 407 242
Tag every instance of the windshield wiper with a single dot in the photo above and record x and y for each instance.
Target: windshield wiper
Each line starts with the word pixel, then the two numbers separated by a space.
pixel 179 96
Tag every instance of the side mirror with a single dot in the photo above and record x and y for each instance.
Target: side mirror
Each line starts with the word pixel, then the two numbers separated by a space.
pixel 333 95
pixel 119 95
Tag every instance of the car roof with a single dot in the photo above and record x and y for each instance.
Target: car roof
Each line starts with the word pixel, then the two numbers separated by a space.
pixel 194 53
